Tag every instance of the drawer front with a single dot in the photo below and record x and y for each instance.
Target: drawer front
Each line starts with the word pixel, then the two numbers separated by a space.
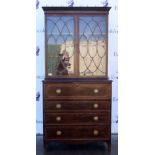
pixel 77 118
pixel 58 90
pixel 77 132
pixel 76 105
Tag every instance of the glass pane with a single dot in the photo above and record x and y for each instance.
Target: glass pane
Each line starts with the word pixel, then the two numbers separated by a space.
pixel 92 46
pixel 60 45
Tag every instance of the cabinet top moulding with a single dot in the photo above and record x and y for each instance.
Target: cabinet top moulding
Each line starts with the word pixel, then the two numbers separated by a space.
pixel 78 9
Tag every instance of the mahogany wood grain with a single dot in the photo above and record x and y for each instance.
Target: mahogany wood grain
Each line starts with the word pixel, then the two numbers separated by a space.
pixel 77 118
pixel 58 90
pixel 76 105
pixel 77 132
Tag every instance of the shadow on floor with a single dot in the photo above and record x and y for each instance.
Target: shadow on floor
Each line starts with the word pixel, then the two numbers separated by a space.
pixel 76 149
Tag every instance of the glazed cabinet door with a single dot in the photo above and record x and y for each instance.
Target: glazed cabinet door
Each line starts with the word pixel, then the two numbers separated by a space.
pixel 76 46
pixel 59 45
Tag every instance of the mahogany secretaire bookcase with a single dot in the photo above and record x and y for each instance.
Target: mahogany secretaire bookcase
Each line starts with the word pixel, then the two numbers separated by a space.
pixel 76 89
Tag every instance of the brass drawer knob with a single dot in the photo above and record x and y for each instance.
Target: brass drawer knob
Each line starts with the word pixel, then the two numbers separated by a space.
pixel 96 91
pixel 58 106
pixel 95 118
pixel 96 105
pixel 58 91
pixel 96 132
pixel 58 119
pixel 58 132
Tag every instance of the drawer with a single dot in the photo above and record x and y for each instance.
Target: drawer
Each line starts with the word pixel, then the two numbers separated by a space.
pixel 77 132
pixel 77 118
pixel 65 90
pixel 76 105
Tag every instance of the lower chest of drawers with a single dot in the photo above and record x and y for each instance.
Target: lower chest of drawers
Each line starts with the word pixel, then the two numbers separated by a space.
pixel 83 114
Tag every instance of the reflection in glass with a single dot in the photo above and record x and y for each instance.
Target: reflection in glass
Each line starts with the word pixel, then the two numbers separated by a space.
pixel 60 42
pixel 92 46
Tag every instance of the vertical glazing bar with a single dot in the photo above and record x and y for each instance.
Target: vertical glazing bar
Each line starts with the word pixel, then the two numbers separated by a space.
pixel 76 45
